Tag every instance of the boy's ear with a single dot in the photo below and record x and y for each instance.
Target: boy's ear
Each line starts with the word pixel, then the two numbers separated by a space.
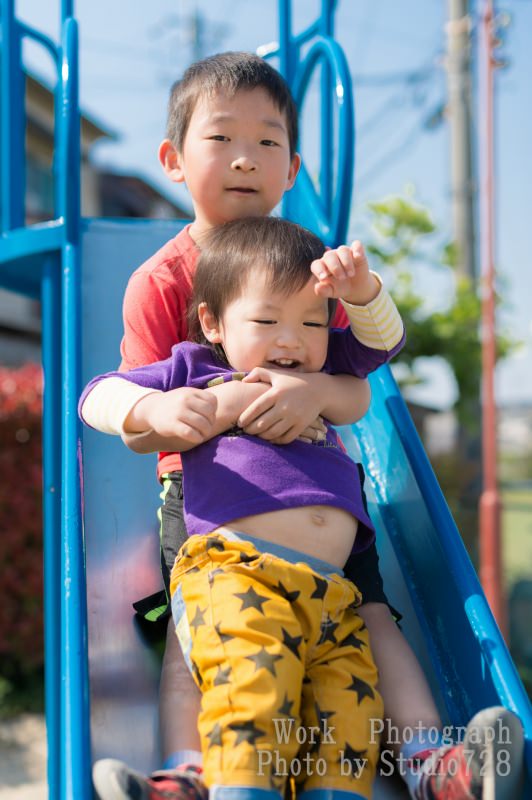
pixel 209 324
pixel 171 161
pixel 292 172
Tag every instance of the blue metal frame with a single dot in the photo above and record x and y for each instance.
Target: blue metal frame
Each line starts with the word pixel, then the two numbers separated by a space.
pixel 44 260
pixel 325 209
pixel 389 401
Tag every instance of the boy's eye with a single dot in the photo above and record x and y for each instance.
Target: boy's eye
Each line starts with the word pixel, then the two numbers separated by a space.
pixel 269 142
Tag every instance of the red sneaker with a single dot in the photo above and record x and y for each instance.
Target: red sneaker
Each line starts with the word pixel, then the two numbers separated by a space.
pixel 114 780
pixel 487 765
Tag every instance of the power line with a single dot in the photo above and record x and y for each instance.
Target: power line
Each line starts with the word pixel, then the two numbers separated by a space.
pixel 406 143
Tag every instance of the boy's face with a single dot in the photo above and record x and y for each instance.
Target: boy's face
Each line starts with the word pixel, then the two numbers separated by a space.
pixel 262 328
pixel 236 158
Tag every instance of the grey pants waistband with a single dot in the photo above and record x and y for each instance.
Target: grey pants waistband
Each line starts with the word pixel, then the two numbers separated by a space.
pixel 287 553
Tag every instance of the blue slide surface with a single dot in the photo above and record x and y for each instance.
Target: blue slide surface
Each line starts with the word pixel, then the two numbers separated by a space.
pixel 427 572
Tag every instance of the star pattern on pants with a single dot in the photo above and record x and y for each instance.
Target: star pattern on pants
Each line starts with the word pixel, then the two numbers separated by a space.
pixel 215 543
pixel 248 559
pixel 290 596
pixel 286 707
pixel 197 673
pixel 355 757
pixel 251 599
pixel 224 637
pixel 323 716
pixel 361 688
pixel 331 626
pixel 215 736
pixel 292 642
pixel 264 660
pixel 246 732
pixel 352 641
pixel 328 628
pixel 199 619
pixel 222 676
pixel 320 590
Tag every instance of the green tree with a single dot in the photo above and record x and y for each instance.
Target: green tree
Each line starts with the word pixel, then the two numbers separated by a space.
pixel 406 240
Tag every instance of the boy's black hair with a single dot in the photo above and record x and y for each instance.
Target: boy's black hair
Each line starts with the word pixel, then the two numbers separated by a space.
pixel 230 252
pixel 227 72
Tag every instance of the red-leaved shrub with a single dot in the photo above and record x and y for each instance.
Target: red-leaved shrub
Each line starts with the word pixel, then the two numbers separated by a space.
pixel 21 624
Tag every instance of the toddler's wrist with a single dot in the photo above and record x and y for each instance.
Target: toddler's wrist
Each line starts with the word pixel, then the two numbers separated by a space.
pixel 365 292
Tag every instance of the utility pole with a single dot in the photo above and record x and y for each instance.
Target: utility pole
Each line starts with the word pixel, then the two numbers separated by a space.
pixel 490 501
pixel 193 28
pixel 460 121
pixel 463 206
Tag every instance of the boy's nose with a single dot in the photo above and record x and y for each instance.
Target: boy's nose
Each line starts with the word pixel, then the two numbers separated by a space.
pixel 244 164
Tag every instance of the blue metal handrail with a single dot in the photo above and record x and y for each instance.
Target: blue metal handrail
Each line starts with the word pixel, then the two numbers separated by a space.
pixel 334 202
pixel 58 242
pixel 12 121
pixel 326 209
pixel 503 671
pixel 75 727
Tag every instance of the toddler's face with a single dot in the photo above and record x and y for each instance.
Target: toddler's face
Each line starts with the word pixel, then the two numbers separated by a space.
pixel 262 328
pixel 236 157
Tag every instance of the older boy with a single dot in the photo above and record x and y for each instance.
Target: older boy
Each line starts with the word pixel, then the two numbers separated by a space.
pixel 232 134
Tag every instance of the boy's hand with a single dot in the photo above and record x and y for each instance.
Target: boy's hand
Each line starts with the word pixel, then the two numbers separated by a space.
pixel 344 273
pixel 288 411
pixel 187 414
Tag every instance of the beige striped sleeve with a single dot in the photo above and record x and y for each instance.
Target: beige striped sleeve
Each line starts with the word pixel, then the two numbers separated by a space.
pixel 377 324
pixel 107 406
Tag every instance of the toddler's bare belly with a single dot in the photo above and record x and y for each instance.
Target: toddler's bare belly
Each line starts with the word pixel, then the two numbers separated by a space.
pixel 321 531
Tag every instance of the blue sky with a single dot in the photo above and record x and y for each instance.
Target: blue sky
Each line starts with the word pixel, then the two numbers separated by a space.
pixel 130 58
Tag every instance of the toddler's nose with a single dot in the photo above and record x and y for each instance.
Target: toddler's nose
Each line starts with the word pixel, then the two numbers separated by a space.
pixel 288 339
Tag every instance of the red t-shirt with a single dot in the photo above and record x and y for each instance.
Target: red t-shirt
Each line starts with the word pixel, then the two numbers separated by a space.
pixel 155 312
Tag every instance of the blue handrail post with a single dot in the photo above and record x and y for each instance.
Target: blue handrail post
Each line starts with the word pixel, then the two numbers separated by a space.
pixel 67 9
pixel 51 361
pixel 75 725
pixel 287 54
pixel 326 25
pixel 324 209
pixel 12 93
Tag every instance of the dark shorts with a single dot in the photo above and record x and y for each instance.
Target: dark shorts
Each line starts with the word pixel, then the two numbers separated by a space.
pixel 362 568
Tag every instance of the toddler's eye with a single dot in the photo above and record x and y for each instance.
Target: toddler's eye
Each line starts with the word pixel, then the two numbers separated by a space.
pixel 264 321
pixel 219 138
pixel 314 325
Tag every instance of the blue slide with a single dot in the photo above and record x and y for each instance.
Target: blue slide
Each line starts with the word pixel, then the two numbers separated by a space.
pixel 79 269
pixel 427 572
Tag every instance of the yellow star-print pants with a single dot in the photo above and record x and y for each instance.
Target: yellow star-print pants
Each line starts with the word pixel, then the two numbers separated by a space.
pixel 282 659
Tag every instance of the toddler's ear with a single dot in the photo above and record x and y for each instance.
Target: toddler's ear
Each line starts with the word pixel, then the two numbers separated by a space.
pixel 171 161
pixel 209 324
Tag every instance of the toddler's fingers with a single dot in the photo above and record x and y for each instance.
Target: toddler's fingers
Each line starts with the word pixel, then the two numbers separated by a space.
pixel 324 289
pixel 358 252
pixel 345 257
pixel 339 263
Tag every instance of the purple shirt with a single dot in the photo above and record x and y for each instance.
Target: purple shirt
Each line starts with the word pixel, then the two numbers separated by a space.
pixel 235 475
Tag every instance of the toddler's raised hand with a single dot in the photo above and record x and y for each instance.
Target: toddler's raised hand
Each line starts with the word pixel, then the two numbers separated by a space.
pixel 344 272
